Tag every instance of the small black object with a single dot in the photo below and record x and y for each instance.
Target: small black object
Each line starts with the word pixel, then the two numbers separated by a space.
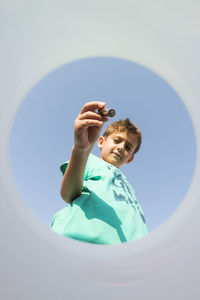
pixel 107 112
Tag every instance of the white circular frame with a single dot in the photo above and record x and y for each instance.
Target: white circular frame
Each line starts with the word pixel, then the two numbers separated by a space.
pixel 65 32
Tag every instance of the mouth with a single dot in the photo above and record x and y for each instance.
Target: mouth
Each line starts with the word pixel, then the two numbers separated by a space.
pixel 117 154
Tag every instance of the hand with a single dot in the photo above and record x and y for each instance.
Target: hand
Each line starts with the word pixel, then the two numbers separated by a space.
pixel 88 125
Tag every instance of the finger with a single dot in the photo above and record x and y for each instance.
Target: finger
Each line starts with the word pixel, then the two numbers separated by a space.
pixel 92 106
pixel 92 115
pixel 90 122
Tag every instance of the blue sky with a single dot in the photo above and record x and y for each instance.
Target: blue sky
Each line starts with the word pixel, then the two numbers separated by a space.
pixel 42 134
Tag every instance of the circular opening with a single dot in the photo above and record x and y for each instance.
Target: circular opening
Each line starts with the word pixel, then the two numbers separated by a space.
pixel 42 134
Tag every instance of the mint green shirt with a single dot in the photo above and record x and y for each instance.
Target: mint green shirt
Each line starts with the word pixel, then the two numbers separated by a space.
pixel 106 212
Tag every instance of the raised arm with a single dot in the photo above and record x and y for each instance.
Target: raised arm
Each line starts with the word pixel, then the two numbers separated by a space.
pixel 87 127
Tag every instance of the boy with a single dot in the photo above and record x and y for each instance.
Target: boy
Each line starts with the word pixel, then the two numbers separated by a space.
pixel 102 206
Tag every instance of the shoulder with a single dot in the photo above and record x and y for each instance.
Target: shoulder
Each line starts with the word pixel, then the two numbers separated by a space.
pixel 93 163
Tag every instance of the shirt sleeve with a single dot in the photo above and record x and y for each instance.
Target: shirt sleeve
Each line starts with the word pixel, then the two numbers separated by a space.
pixel 63 167
pixel 88 169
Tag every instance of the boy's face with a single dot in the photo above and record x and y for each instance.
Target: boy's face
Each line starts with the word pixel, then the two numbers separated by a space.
pixel 117 149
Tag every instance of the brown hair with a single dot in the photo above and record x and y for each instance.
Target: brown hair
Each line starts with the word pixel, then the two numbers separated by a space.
pixel 125 125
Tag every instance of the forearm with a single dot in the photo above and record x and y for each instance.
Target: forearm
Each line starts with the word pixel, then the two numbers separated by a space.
pixel 72 181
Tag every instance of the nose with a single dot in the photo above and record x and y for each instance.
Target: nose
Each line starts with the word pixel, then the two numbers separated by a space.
pixel 120 147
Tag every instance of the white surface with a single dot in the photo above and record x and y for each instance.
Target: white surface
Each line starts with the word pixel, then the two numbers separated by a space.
pixel 37 38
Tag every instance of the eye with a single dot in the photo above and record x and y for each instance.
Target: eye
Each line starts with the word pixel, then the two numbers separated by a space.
pixel 116 141
pixel 128 148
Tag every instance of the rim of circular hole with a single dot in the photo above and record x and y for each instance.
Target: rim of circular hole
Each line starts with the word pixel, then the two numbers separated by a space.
pixel 143 242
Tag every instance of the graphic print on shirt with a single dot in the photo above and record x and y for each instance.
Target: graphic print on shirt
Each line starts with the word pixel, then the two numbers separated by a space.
pixel 127 196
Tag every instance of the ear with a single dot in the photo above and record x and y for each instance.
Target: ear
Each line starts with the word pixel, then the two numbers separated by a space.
pixel 130 159
pixel 101 141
